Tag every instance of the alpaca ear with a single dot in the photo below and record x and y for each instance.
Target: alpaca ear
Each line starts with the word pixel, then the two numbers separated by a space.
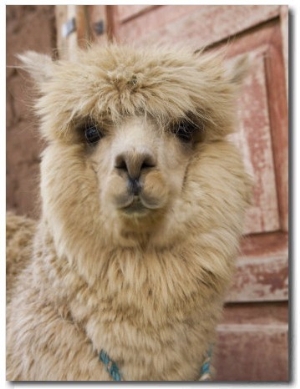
pixel 39 66
pixel 238 69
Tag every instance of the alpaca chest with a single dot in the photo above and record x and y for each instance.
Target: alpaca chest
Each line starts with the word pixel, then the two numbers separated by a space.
pixel 149 345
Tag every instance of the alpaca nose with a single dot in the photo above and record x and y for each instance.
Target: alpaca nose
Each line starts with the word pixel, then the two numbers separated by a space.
pixel 134 163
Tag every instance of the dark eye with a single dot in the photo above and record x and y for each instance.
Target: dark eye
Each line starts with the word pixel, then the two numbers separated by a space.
pixel 184 130
pixel 92 133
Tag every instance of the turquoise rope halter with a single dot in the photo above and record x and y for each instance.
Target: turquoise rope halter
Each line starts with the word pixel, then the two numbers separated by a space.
pixel 111 366
pixel 205 373
pixel 114 372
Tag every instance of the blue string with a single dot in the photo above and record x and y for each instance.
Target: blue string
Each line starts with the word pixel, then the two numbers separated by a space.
pixel 111 366
pixel 205 368
pixel 113 370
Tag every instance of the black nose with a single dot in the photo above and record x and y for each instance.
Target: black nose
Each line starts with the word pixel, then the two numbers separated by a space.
pixel 134 186
pixel 134 163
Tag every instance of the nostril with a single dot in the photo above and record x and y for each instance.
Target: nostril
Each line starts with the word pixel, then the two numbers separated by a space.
pixel 120 163
pixel 148 162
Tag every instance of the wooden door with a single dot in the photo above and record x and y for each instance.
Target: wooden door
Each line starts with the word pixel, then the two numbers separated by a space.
pixel 253 337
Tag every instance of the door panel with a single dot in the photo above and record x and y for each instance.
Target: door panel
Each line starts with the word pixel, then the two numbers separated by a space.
pixel 252 343
pixel 193 24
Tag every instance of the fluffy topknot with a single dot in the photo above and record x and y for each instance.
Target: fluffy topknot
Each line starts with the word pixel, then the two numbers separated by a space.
pixel 113 81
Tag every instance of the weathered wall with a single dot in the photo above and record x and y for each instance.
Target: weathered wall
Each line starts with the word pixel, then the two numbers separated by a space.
pixel 29 27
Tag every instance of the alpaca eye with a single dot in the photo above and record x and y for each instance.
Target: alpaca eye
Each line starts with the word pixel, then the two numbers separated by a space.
pixel 185 131
pixel 92 134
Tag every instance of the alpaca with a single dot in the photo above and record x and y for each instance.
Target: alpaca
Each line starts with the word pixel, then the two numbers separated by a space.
pixel 143 200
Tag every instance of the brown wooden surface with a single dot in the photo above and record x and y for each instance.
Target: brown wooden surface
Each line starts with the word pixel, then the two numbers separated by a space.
pixel 284 23
pixel 262 272
pixel 265 120
pixel 196 24
pixel 83 28
pixel 277 97
pixel 66 44
pixel 252 343
pixel 97 14
pixel 266 42
pixel 127 12
pixel 61 17
pixel 254 140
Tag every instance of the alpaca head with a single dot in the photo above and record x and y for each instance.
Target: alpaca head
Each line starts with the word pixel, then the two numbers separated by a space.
pixel 125 129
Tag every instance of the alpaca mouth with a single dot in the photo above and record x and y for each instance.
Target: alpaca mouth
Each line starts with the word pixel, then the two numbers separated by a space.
pixel 138 205
pixel 140 197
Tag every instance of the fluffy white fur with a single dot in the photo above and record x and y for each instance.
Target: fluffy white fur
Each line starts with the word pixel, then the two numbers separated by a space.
pixel 141 276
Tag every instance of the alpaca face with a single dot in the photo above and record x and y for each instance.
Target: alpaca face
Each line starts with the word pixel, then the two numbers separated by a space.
pixel 126 130
pixel 125 177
